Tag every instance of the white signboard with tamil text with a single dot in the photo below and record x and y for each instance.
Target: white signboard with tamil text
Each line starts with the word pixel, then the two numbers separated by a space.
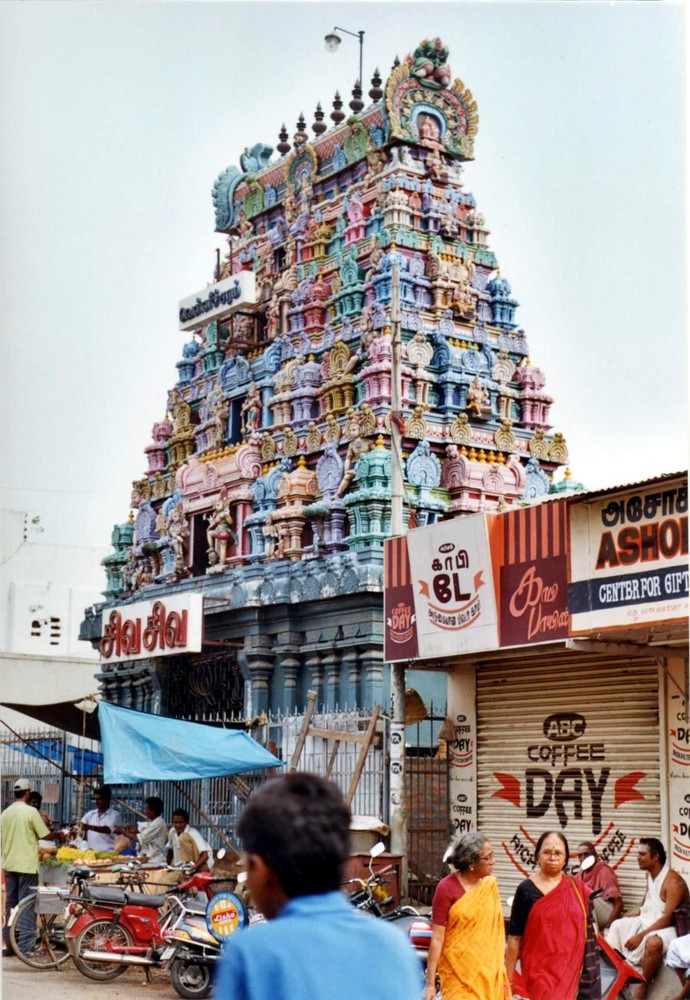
pixel 218 301
pixel 165 627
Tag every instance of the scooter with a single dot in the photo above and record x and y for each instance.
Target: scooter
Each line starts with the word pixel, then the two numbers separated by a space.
pixel 108 929
pixel 372 896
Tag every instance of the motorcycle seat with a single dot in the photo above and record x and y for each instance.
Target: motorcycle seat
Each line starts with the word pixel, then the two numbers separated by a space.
pixel 104 894
pixel 154 902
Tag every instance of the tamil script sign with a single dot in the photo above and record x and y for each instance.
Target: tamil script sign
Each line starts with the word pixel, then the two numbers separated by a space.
pixel 165 627
pixel 454 602
pixel 218 301
pixel 629 558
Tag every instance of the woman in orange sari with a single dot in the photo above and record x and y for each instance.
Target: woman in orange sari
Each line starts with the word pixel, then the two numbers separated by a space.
pixel 467 948
pixel 552 930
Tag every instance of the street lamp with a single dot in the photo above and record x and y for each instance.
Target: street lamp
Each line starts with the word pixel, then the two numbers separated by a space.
pixel 333 40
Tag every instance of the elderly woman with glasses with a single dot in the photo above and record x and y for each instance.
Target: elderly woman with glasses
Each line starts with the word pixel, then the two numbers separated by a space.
pixel 552 932
pixel 468 938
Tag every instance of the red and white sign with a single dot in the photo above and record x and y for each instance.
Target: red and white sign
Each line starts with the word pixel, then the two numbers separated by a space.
pixel 629 558
pixel 455 606
pixel 165 627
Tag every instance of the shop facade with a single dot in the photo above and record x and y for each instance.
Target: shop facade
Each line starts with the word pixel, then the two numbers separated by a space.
pixel 569 703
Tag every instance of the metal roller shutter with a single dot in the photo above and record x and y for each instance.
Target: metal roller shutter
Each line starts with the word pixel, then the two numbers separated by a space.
pixel 570 745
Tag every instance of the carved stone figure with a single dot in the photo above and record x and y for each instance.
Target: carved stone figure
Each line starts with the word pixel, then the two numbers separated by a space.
pixel 357 447
pixel 177 529
pixel 219 532
pixel 477 397
pixel 251 410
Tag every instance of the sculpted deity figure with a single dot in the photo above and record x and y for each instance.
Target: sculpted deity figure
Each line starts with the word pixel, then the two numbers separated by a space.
pixel 219 532
pixel 251 410
pixel 219 421
pixel 477 397
pixel 177 529
pixel 357 447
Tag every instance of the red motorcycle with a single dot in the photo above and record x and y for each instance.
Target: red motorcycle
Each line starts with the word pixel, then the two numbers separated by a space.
pixel 108 929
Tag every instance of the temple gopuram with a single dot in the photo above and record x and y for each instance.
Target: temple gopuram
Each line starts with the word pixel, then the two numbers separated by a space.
pixel 267 492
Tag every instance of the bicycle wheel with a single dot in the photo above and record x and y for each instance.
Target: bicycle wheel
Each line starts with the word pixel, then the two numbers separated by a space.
pixel 45 948
pixel 103 936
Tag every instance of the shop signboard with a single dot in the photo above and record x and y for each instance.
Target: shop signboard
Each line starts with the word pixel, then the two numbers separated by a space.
pixel 629 558
pixel 218 301
pixel 533 574
pixel 453 586
pixel 165 627
pixel 400 625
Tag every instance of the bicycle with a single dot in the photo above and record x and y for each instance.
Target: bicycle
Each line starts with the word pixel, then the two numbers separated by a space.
pixel 45 947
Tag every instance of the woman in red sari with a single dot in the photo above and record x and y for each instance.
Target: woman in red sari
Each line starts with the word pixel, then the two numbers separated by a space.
pixel 551 930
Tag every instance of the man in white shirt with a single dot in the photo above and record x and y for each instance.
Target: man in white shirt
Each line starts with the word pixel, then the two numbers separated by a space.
pixel 101 825
pixel 186 844
pixel 152 836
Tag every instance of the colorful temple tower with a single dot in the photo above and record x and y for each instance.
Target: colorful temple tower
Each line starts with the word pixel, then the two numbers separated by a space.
pixel 268 482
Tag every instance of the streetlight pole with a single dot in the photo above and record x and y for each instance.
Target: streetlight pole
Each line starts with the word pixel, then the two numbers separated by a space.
pixel 397 804
pixel 333 41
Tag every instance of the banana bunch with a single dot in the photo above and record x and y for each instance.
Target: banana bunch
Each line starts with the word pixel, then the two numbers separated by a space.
pixel 74 854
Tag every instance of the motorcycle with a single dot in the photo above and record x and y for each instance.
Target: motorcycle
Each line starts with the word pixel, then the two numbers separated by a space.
pixel 108 929
pixel 371 896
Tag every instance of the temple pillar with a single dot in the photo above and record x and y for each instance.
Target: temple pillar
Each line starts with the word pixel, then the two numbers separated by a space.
pixel 371 661
pixel 261 663
pixel 314 669
pixel 330 661
pixel 290 664
pixel 350 676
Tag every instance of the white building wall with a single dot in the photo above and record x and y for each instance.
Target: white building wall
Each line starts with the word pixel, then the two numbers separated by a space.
pixel 44 590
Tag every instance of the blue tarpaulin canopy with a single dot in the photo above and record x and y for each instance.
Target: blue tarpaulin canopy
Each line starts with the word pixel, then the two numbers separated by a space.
pixel 82 761
pixel 141 747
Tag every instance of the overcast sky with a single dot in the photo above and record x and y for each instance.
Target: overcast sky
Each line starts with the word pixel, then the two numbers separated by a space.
pixel 116 118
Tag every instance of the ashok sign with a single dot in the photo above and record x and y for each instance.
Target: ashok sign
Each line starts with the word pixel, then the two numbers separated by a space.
pixel 218 301
pixel 165 627
pixel 629 558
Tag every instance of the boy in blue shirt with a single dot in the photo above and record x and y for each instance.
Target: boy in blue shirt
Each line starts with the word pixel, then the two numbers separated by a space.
pixel 315 945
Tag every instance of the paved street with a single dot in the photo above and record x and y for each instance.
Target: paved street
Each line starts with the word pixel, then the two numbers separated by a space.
pixel 19 982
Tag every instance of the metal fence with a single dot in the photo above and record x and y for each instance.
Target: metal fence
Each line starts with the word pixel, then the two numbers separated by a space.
pixel 62 767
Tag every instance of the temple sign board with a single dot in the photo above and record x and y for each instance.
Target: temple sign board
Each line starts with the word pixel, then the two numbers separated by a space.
pixel 165 627
pixel 218 301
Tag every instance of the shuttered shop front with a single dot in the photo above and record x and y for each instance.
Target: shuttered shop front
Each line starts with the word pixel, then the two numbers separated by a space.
pixel 570 745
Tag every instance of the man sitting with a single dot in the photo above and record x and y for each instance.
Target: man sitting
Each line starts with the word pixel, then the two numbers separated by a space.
pixel 643 938
pixel 186 844
pixel 609 905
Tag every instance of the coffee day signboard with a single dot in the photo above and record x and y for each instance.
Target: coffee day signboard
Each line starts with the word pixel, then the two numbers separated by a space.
pixel 629 558
pixel 453 586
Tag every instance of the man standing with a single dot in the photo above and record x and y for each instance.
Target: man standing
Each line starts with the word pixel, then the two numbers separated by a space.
pixel 185 844
pixel 609 905
pixel 22 828
pixel 315 946
pixel 101 825
pixel 643 938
